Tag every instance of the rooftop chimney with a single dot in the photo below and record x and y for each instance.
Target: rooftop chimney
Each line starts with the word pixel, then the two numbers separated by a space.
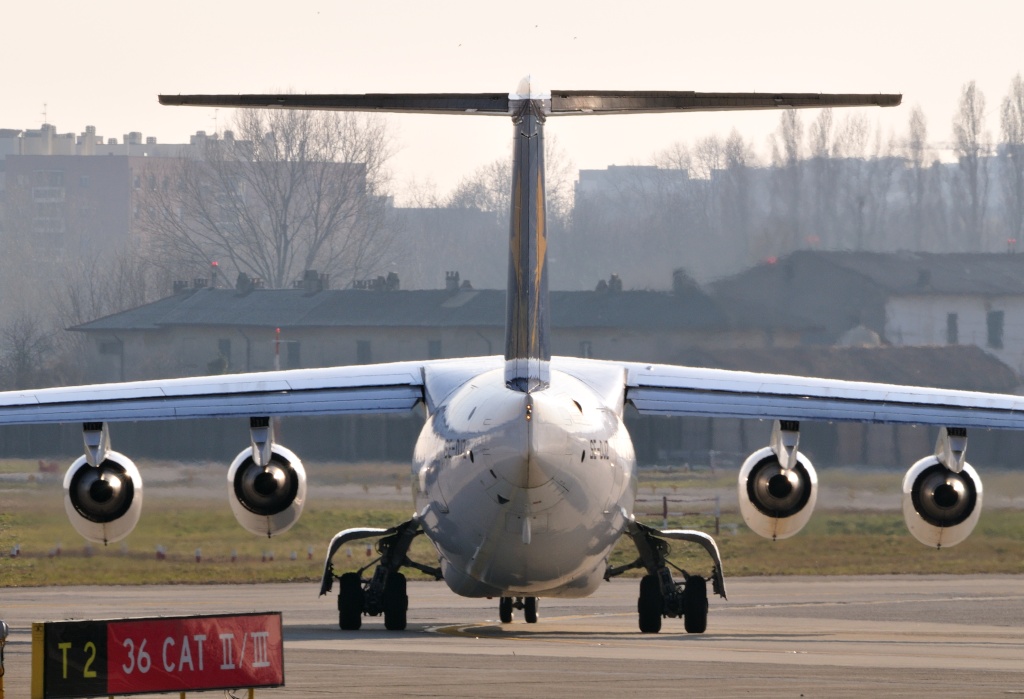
pixel 451 281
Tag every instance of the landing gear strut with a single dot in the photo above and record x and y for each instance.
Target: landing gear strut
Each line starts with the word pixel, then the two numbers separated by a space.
pixel 527 604
pixel 660 595
pixel 385 592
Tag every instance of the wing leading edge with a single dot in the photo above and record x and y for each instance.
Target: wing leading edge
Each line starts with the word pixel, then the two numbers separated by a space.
pixel 355 389
pixel 674 390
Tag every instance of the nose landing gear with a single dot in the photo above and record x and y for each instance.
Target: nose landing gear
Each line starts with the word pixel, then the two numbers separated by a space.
pixel 527 604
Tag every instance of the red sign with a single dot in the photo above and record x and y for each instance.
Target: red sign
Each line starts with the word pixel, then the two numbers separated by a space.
pixel 180 654
pixel 171 654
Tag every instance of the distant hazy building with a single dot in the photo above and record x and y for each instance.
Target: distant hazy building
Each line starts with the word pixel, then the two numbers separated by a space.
pixel 67 195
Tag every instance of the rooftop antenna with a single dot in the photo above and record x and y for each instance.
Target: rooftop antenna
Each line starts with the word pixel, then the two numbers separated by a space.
pixel 44 114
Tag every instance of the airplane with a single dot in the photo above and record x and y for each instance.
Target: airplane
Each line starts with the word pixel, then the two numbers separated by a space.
pixel 524 473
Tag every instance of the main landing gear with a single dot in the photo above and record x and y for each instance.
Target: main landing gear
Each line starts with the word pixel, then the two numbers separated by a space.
pixel 660 595
pixel 528 605
pixel 385 592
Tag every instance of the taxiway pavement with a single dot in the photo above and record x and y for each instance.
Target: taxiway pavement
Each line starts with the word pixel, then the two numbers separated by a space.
pixel 774 637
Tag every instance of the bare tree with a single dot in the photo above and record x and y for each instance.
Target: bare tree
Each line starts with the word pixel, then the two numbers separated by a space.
pixel 95 287
pixel 915 180
pixel 283 192
pixel 26 352
pixel 786 145
pixel 1011 156
pixel 881 173
pixel 489 188
pixel 821 137
pixel 737 197
pixel 971 184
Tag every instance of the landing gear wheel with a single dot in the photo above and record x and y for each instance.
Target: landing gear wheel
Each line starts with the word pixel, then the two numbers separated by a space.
pixel 505 610
pixel 650 604
pixel 396 603
pixel 695 604
pixel 530 610
pixel 350 602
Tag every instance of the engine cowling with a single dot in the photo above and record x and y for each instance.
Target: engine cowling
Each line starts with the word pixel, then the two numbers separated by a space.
pixel 267 499
pixel 774 503
pixel 103 502
pixel 941 507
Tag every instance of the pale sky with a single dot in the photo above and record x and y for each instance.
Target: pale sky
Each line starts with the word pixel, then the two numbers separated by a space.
pixel 103 63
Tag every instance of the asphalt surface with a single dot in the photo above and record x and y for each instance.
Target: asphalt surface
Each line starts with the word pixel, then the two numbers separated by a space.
pixel 784 637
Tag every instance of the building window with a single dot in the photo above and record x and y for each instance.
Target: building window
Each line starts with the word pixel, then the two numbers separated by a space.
pixel 586 349
pixel 363 353
pixel 110 347
pixel 294 358
pixel 994 322
pixel 49 178
pixel 952 329
pixel 434 349
pixel 224 349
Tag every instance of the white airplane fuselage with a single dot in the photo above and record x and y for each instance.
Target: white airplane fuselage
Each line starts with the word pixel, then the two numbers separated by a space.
pixel 524 494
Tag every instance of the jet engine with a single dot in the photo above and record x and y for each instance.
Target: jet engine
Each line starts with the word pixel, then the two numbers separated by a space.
pixel 941 506
pixel 267 499
pixel 776 502
pixel 103 502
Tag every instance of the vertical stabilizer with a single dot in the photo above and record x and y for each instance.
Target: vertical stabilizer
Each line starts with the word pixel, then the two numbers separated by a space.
pixel 527 349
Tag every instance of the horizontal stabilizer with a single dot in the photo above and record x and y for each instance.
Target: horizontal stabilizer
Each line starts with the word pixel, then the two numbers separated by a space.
pixel 561 103
pixel 442 103
pixel 610 102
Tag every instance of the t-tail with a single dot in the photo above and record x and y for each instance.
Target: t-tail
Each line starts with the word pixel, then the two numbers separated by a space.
pixel 527 323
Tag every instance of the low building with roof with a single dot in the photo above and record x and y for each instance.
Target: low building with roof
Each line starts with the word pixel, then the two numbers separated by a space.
pixel 204 330
pixel 907 299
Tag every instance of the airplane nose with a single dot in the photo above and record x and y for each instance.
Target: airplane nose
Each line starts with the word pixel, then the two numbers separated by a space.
pixel 528 461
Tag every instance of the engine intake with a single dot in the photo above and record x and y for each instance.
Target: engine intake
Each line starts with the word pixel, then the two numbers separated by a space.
pixel 941 507
pixel 774 502
pixel 267 499
pixel 103 502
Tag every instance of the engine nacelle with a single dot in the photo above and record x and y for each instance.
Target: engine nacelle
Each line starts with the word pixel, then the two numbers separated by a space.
pixel 267 499
pixel 774 503
pixel 103 502
pixel 940 506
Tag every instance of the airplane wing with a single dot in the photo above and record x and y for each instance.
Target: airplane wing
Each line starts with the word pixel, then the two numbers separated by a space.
pixel 375 388
pixel 675 390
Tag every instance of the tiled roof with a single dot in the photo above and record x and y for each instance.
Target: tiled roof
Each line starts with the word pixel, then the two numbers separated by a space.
pixel 648 310
pixel 915 272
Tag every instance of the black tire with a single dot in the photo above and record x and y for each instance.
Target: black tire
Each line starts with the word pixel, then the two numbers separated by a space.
pixel 505 610
pixel 350 602
pixel 695 604
pixel 396 603
pixel 650 605
pixel 530 610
